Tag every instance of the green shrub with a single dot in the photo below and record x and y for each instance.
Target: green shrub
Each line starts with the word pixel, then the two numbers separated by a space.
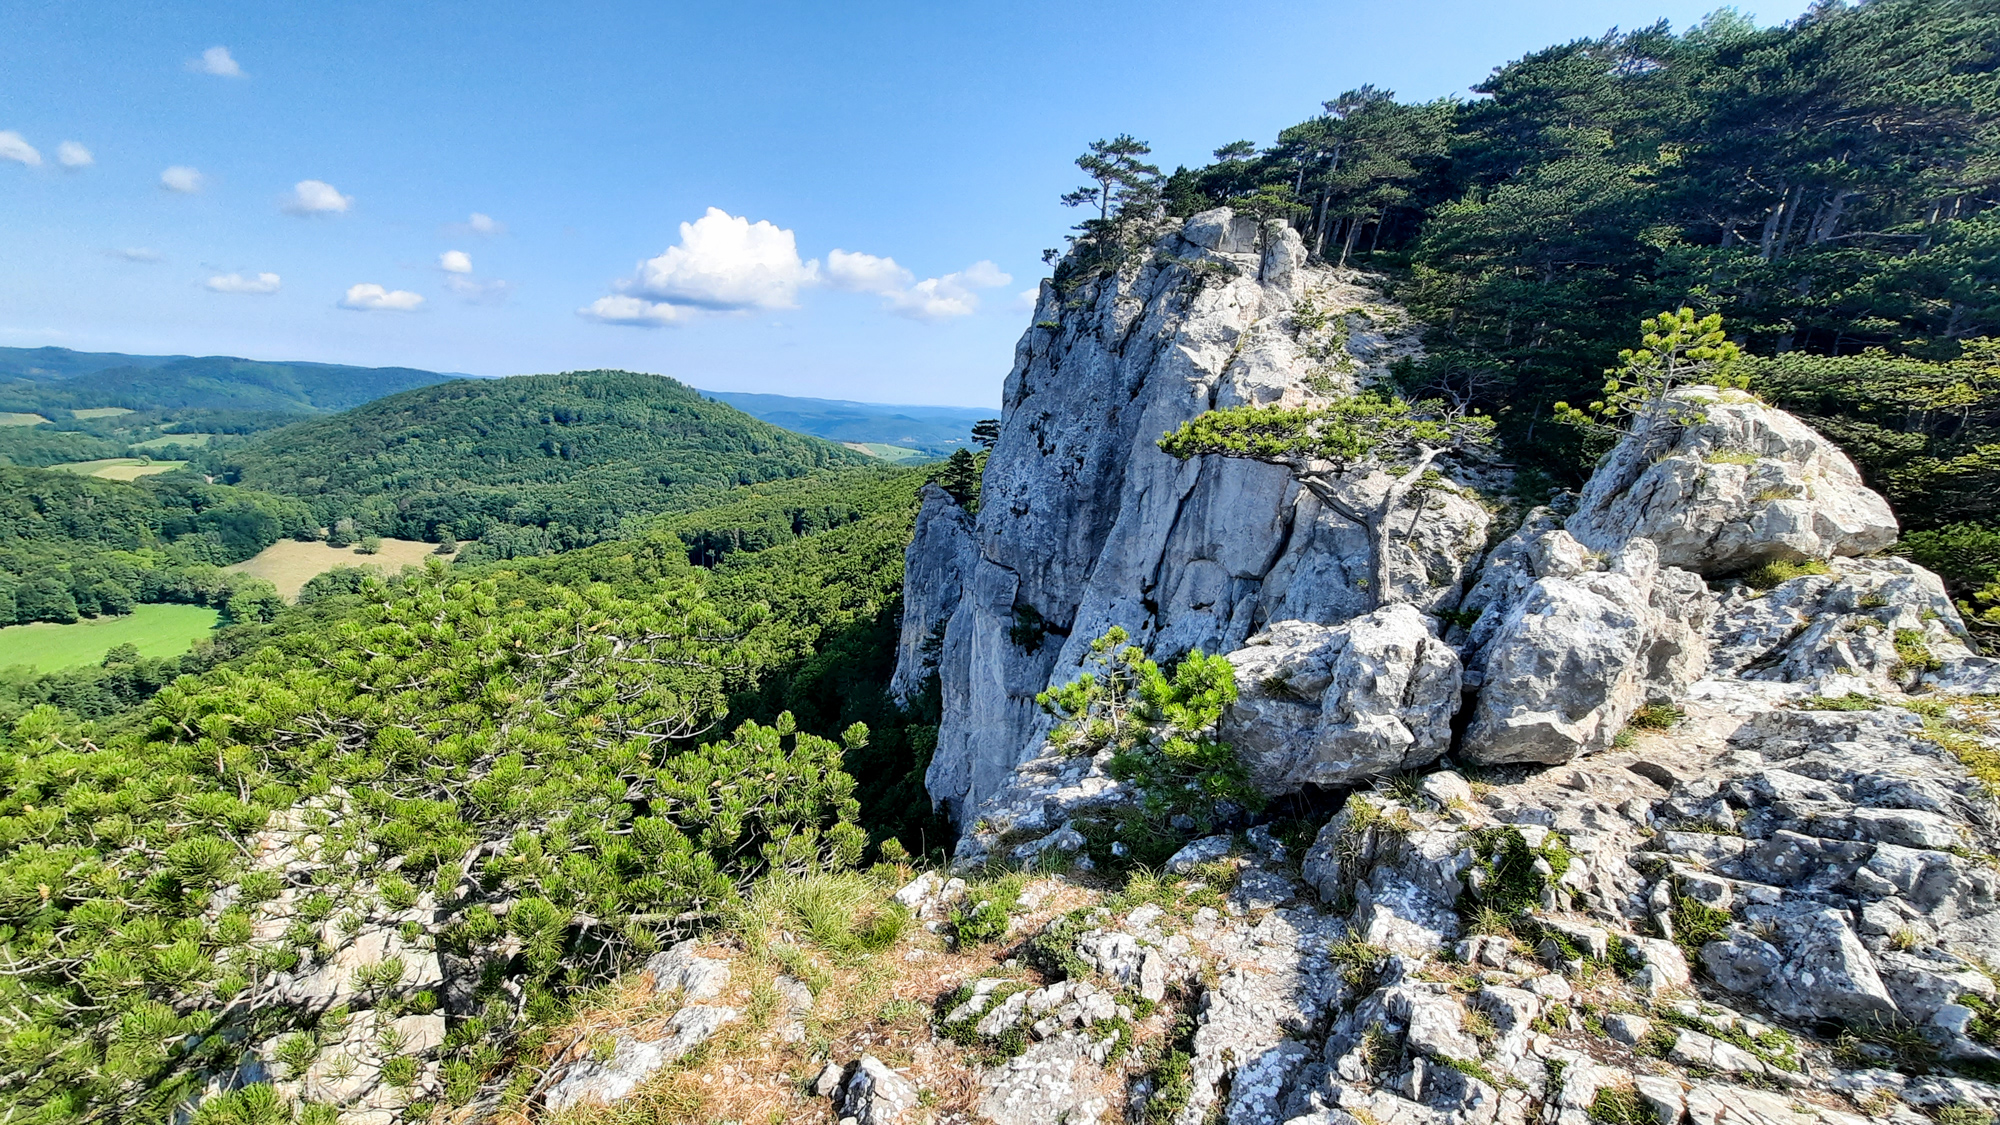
pixel 1772 573
pixel 1159 727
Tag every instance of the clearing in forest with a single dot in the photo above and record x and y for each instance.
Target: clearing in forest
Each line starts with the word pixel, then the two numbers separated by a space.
pixel 289 564
pixel 117 468
pixel 14 418
pixel 157 630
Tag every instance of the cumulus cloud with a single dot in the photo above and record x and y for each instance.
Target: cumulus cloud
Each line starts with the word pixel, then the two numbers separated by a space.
pixel 866 273
pixel 261 284
pixel 369 297
pixel 181 178
pixel 934 298
pixel 635 311
pixel 70 154
pixel 316 197
pixel 15 147
pixel 723 263
pixel 217 61
pixel 138 254
pixel 455 261
pixel 484 224
pixel 727 263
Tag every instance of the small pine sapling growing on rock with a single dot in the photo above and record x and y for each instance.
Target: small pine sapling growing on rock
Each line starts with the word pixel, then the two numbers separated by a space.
pixel 1159 727
pixel 1330 447
pixel 1677 349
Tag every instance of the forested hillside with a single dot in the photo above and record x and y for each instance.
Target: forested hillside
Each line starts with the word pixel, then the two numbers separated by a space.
pixel 526 465
pixel 75 546
pixel 1827 186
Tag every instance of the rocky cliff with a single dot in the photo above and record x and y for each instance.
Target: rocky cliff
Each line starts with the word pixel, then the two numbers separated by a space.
pixel 1673 803
pixel 1678 815
pixel 1084 524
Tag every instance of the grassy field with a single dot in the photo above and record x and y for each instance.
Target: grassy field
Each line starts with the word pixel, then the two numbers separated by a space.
pixel 100 412
pixel 165 440
pixel 289 564
pixel 894 454
pixel 10 418
pixel 158 630
pixel 117 468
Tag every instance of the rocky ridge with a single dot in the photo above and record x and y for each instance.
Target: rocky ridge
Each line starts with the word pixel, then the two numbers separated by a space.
pixel 1718 853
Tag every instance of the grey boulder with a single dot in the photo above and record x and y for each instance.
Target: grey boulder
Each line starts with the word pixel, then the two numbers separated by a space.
pixel 1739 484
pixel 1331 705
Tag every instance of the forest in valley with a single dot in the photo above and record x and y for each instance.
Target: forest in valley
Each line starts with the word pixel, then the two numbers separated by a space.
pixel 658 677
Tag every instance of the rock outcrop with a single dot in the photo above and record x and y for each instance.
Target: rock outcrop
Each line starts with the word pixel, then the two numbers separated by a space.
pixel 940 556
pixel 1332 705
pixel 1741 484
pixel 1567 645
pixel 1085 524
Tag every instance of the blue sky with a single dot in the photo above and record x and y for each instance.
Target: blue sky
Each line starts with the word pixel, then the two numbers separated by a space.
pixel 866 188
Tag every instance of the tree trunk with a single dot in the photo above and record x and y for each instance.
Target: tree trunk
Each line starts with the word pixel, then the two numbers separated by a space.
pixel 1353 236
pixel 1767 241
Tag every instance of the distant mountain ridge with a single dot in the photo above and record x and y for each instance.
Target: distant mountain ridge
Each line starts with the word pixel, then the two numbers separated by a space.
pixel 528 464
pixel 39 380
pixel 934 429
pixel 58 380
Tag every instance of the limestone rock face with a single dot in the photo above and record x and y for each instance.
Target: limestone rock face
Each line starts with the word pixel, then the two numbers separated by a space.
pixel 1846 623
pixel 1085 524
pixel 939 557
pixel 1567 647
pixel 1749 484
pixel 1332 704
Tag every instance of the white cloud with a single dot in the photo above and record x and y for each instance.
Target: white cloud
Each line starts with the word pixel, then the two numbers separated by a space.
pixel 262 284
pixel 70 154
pixel 727 263
pixel 455 261
pixel 635 311
pixel 181 178
pixel 934 298
pixel 217 61
pixel 316 197
pixel 1027 299
pixel 138 254
pixel 15 147
pixel 493 292
pixel 484 224
pixel 866 273
pixel 369 297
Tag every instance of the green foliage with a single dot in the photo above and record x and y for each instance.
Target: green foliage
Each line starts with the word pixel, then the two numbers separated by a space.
pixel 1696 924
pixel 1967 557
pixel 959 477
pixel 1766 575
pixel 1331 445
pixel 1620 1105
pixel 987 910
pixel 526 465
pixel 1656 716
pixel 1354 433
pixel 1510 882
pixel 1677 349
pixel 1923 429
pixel 562 744
pixel 1914 652
pixel 74 546
pixel 1852 701
pixel 1813 182
pixel 1160 728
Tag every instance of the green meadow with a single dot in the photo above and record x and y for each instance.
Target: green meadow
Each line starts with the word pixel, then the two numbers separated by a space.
pixel 157 630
